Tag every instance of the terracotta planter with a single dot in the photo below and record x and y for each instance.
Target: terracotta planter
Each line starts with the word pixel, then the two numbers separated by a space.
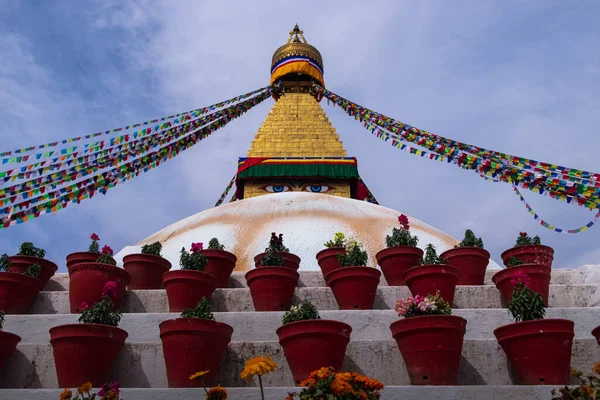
pixel 289 260
pixel 395 261
pixel 313 344
pixel 85 352
pixel 530 254
pixel 221 264
pixel 596 333
pixel 19 264
pixel 431 347
pixel 539 275
pixel 8 344
pixel 191 345
pixel 471 262
pixel 83 257
pixel 146 271
pixel 327 259
pixel 272 288
pixel 87 281
pixel 185 288
pixel 539 351
pixel 354 288
pixel 17 292
pixel 428 279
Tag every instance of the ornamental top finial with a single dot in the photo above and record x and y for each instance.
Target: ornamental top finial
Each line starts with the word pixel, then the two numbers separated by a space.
pixel 296 34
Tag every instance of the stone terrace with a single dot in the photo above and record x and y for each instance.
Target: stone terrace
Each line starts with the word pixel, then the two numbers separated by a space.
pixel 140 369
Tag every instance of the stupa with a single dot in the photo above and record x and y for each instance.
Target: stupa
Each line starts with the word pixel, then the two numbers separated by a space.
pixel 296 179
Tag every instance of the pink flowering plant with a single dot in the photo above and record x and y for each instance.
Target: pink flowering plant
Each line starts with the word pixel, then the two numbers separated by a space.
pixel 401 236
pixel 423 305
pixel 193 260
pixel 152 249
pixel 106 256
pixel 94 246
pixel 272 258
pixel 525 304
pixel 525 240
pixel 103 312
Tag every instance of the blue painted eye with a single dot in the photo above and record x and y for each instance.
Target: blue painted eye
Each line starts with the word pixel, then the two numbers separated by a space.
pixel 276 188
pixel 317 188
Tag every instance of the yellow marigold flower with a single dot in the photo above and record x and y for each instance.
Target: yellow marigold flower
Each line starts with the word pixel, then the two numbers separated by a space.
pixel 258 366
pixel 597 368
pixel 340 387
pixel 84 388
pixel 65 395
pixel 198 375
pixel 217 393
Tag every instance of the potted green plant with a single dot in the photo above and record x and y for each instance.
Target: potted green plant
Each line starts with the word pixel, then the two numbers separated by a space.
pixel 86 352
pixel 431 275
pixel 539 278
pixel 18 290
pixel 430 339
pixel 326 383
pixel 220 263
pixel 354 285
pixel 588 388
pixel 539 350
pixel 89 256
pixel 272 284
pixel 401 253
pixel 194 342
pixel 328 257
pixel 29 255
pixel 310 342
pixel 8 342
pixel 470 258
pixel 147 268
pixel 530 251
pixel 187 286
pixel 276 243
pixel 87 280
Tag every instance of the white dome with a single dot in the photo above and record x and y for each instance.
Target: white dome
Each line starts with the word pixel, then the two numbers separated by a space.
pixel 307 221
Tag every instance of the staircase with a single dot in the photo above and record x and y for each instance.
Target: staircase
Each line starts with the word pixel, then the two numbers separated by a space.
pixel 30 373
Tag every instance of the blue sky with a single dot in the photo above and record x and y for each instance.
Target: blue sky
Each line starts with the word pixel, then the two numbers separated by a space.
pixel 520 77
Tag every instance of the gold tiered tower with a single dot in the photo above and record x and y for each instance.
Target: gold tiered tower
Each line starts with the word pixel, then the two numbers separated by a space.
pixel 297 148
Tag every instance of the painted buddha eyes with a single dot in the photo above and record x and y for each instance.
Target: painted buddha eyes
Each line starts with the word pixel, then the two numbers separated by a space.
pixel 288 188
pixel 316 188
pixel 277 188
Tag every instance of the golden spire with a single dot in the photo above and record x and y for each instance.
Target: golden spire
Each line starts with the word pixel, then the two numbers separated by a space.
pixel 297 57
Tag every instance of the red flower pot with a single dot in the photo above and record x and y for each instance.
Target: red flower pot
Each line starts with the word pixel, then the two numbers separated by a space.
pixel 431 347
pixel 596 333
pixel 192 345
pixel 83 257
pixel 289 260
pixel 313 344
pixel 354 288
pixel 220 264
pixel 19 264
pixel 471 262
pixel 146 271
pixel 17 292
pixel 327 259
pixel 395 261
pixel 85 352
pixel 539 275
pixel 8 344
pixel 272 288
pixel 185 288
pixel 539 351
pixel 530 254
pixel 87 281
pixel 428 279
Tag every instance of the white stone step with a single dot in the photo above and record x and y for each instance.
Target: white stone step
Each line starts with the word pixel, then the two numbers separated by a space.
pixel 279 393
pixel 582 275
pixel 141 365
pixel 236 300
pixel 261 326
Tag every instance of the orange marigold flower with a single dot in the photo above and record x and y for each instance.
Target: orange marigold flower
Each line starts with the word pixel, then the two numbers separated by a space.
pixel 340 387
pixel 290 396
pixel 258 366
pixel 199 374
pixel 308 382
pixel 363 395
pixel 217 393
pixel 65 395
pixel 322 373
pixel 84 388
pixel 367 383
pixel 597 368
